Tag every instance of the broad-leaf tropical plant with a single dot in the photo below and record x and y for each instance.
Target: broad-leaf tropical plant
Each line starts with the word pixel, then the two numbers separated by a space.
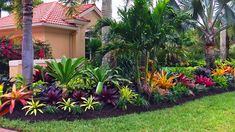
pixel 10 99
pixel 65 70
pixel 102 75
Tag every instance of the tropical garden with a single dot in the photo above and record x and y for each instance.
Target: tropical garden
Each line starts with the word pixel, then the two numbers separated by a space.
pixel 158 55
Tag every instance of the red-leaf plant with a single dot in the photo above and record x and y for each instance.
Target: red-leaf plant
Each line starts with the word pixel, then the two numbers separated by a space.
pixel 208 82
pixel 186 81
pixel 11 98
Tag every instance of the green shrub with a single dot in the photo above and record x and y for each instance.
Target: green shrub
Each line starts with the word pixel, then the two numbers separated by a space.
pixel 157 97
pixel 188 71
pixel 221 81
pixel 141 101
pixel 180 90
pixel 127 96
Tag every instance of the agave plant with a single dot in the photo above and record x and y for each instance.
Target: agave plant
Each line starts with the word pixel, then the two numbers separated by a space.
pixel 11 98
pixel 103 75
pixel 65 70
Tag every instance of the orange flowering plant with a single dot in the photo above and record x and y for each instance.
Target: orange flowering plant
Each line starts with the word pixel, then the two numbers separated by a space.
pixel 161 80
pixel 9 99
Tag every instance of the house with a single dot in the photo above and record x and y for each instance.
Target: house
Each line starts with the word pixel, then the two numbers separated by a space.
pixel 66 36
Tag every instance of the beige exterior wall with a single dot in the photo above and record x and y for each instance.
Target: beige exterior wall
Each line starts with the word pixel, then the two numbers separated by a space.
pixel 38 33
pixel 60 40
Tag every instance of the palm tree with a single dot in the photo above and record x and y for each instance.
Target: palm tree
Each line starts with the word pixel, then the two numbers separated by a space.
pixel 140 33
pixel 27 45
pixel 211 17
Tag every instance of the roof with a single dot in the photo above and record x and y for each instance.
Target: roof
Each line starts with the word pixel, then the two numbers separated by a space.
pixel 49 13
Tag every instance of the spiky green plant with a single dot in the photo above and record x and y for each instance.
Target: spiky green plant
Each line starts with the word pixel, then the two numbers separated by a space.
pixel 89 103
pixel 66 104
pixel 33 107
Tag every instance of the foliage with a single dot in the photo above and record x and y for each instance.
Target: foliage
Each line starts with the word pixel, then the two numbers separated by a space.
pixel 89 103
pixel 141 101
pixel 10 99
pixel 221 81
pixel 180 90
pixel 10 50
pixel 141 32
pixel 203 80
pixel 20 81
pixel 65 70
pixel 51 95
pixel 127 96
pixel 103 75
pixel 37 87
pixel 76 109
pixel 33 107
pixel 108 96
pixel 202 72
pixel 78 94
pixel 157 97
pixel 210 17
pixel 188 71
pixel 186 81
pixel 81 83
pixel 162 80
pixel 51 109
pixel 218 71
pixel 41 74
pixel 66 104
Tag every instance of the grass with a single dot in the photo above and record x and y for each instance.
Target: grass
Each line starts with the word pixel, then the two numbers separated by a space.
pixel 214 113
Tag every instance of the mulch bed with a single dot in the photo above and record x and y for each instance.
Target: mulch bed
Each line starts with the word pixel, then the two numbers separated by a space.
pixel 111 111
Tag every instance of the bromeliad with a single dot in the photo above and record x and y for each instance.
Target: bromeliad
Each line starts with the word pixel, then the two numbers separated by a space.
pixel 9 99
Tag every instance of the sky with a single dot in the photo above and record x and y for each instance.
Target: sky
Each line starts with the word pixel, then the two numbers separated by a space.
pixel 116 4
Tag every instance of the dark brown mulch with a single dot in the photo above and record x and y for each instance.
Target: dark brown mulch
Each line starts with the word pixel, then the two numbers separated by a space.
pixel 110 111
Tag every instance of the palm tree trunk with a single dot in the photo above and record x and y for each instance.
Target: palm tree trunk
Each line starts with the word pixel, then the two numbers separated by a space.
pixel 210 55
pixel 107 12
pixel 224 44
pixel 27 45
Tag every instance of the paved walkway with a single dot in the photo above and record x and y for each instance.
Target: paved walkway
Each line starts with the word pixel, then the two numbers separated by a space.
pixel 6 130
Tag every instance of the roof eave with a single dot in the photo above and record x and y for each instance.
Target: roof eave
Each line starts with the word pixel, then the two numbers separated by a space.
pixel 42 24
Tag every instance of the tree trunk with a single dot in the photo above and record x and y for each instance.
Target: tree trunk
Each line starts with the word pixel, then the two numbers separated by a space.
pixel 109 58
pixel 210 55
pixel 224 44
pixel 0 13
pixel 27 44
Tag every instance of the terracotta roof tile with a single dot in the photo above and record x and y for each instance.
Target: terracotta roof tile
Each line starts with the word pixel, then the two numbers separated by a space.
pixel 51 13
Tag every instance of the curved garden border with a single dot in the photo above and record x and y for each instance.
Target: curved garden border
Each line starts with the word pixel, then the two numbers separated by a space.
pixel 114 112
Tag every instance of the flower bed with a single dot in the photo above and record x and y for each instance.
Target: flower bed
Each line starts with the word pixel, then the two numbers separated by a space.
pixel 72 89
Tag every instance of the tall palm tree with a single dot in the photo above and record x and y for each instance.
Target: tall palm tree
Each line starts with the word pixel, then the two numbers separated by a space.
pixel 27 45
pixel 208 16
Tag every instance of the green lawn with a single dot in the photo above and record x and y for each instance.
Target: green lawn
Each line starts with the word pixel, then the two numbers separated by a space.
pixel 215 113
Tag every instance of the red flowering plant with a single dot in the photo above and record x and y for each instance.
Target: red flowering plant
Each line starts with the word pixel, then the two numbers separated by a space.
pixel 203 80
pixel 11 51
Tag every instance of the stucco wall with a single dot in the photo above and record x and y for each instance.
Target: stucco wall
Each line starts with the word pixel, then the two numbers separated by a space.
pixel 38 33
pixel 60 40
